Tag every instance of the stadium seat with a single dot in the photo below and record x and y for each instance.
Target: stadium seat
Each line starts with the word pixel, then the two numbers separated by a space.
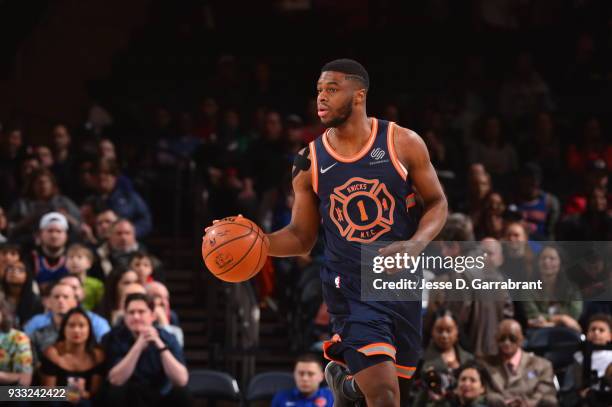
pixel 213 385
pixel 264 385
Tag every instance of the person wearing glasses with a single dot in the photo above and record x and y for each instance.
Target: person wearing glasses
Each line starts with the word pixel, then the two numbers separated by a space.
pixel 519 378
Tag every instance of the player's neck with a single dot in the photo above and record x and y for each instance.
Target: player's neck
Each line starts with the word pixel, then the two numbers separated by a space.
pixel 355 131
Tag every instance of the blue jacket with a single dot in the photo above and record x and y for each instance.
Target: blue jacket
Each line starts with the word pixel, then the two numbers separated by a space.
pixel 293 398
pixel 127 203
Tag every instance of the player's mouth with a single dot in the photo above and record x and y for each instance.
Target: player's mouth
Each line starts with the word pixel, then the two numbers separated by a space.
pixel 322 111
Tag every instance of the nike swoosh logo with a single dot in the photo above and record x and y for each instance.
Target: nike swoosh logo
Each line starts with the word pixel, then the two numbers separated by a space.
pixel 324 170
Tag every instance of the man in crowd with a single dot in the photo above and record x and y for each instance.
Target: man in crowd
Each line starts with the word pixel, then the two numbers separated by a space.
pixel 519 379
pixel 117 250
pixel 308 375
pixel 147 367
pixel 43 329
pixel 48 260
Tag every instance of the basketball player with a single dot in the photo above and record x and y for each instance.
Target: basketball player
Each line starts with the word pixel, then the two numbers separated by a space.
pixel 358 178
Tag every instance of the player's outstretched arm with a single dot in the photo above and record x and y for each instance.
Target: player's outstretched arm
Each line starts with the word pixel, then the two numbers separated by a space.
pixel 298 238
pixel 412 153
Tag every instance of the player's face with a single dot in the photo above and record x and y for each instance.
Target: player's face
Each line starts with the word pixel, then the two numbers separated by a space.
pixel 334 98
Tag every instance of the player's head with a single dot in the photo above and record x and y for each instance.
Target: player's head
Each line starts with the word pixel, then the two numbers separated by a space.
pixel 342 86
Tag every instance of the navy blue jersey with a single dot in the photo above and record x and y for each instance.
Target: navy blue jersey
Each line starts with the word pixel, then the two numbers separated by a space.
pixel 363 199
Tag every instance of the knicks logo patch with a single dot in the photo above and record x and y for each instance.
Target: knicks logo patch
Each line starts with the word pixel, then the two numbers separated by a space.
pixel 362 209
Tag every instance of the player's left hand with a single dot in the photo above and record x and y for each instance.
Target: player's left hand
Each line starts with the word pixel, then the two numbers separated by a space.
pixel 409 247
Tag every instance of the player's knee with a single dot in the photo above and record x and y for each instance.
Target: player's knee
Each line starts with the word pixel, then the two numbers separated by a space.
pixel 384 396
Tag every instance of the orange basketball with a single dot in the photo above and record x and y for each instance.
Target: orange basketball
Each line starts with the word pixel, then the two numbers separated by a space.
pixel 234 249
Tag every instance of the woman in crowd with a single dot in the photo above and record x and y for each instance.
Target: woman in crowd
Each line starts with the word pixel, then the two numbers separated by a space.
pixel 491 220
pixel 558 304
pixel 17 288
pixel 116 280
pixel 16 354
pixel 470 391
pixel 442 356
pixel 74 360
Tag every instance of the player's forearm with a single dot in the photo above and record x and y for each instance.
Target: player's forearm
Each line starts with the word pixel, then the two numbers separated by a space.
pixel 288 242
pixel 432 221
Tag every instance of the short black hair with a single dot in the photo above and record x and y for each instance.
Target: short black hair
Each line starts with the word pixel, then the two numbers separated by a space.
pixel 605 318
pixel 350 67
pixel 139 297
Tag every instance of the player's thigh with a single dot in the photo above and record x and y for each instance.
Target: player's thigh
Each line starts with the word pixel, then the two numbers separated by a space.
pixel 379 384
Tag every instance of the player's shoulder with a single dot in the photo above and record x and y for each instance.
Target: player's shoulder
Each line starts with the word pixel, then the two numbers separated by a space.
pixel 405 134
pixel 406 141
pixel 302 168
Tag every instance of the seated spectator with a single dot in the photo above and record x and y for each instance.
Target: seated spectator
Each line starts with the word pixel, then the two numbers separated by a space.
pixel 308 375
pixel 596 177
pixel 118 249
pixel 16 355
pixel 472 384
pixel 121 197
pixel 17 288
pixel 41 195
pixel 592 147
pixel 158 289
pixel 540 209
pixel 79 261
pixel 593 224
pixel 498 156
pixel 76 284
pixel 519 378
pixel 599 333
pixel 74 359
pixel 491 220
pixel 49 258
pixel 44 328
pixel 144 265
pixel 518 256
pixel 124 291
pixel 443 355
pixel 559 303
pixel 105 219
pixel 112 294
pixel 9 254
pixel 160 295
pixel 147 366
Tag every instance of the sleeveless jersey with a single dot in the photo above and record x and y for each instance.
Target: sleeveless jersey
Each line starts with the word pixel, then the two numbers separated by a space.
pixel 363 199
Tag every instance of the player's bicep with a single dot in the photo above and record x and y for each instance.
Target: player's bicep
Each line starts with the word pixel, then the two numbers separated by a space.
pixel 413 153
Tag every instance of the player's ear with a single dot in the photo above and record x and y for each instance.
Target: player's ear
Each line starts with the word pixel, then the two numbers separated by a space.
pixel 360 96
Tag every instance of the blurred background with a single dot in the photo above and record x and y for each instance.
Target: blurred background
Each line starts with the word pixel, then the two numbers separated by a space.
pixel 171 114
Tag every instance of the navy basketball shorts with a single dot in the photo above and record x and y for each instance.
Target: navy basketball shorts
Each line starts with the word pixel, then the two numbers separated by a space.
pixel 366 333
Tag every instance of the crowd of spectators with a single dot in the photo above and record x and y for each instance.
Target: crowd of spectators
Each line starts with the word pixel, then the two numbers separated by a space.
pixel 521 157
pixel 83 302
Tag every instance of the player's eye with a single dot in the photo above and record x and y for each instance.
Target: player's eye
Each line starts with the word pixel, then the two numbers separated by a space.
pixel 332 90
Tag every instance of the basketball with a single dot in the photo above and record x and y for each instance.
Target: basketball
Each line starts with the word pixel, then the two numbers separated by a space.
pixel 234 249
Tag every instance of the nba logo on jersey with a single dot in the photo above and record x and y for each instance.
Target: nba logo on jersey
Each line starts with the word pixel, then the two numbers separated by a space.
pixel 337 281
